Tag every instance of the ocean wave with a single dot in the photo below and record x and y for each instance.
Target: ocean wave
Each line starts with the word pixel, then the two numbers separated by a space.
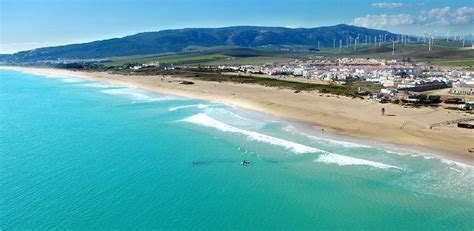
pixel 101 85
pixel 331 141
pixel 454 165
pixel 229 115
pixel 56 76
pixel 138 94
pixel 205 120
pixel 457 164
pixel 72 80
pixel 338 142
pixel 332 158
pixel 240 117
pixel 200 106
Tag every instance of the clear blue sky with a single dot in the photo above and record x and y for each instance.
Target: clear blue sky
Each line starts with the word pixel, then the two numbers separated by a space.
pixel 27 24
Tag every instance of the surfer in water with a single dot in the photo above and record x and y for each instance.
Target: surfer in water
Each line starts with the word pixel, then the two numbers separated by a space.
pixel 245 163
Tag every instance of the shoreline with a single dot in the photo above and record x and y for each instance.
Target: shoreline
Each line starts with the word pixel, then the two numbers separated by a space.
pixel 352 118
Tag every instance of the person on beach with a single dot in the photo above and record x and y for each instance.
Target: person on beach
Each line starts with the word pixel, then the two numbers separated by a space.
pixel 383 111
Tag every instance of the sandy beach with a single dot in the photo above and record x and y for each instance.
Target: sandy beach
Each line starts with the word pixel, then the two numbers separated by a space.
pixel 409 127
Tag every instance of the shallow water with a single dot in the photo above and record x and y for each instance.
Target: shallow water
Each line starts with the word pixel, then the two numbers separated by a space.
pixel 83 154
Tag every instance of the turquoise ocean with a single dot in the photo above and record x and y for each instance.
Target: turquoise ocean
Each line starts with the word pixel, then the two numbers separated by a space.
pixel 79 154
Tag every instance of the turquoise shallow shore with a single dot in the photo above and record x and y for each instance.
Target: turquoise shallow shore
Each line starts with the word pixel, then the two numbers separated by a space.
pixel 89 155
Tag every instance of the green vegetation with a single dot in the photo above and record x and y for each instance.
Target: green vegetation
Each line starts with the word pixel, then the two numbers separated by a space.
pixel 442 54
pixel 425 100
pixel 457 63
pixel 250 60
pixel 197 39
pixel 211 48
pixel 350 90
pixel 168 59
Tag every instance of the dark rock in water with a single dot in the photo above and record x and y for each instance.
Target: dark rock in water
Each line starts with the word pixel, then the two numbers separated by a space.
pixel 200 163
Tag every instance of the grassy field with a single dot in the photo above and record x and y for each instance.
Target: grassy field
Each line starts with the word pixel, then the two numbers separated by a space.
pixel 217 55
pixel 443 53
pixel 415 50
pixel 249 60
pixel 349 90
pixel 458 63
pixel 168 59
pixel 213 48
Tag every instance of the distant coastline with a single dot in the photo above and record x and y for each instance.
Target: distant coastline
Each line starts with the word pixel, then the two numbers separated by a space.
pixel 353 117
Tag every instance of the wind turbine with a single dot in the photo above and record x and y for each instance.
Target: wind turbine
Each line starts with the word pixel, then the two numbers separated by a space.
pixel 333 43
pixel 355 43
pixel 433 38
pixel 340 45
pixel 431 42
pixel 393 47
pixel 472 44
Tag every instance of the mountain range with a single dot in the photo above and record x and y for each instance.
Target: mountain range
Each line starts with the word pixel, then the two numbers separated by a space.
pixel 178 39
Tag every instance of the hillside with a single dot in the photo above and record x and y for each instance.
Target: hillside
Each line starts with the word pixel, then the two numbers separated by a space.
pixel 179 40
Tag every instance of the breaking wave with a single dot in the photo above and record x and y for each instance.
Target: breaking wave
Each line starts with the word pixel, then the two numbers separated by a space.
pixel 101 85
pixel 205 120
pixel 332 158
pixel 72 80
pixel 326 140
pixel 200 106
pixel 137 94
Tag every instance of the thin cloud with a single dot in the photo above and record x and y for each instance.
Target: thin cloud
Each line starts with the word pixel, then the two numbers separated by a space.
pixel 379 21
pixel 389 5
pixel 447 16
pixel 438 16
pixel 393 5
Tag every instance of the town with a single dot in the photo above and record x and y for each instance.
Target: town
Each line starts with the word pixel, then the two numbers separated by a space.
pixel 395 76
pixel 397 80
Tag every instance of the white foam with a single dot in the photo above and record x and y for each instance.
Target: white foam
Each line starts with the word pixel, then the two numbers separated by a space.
pixel 72 80
pixel 444 161
pixel 290 128
pixel 205 120
pixel 42 74
pixel 338 142
pixel 240 117
pixel 55 76
pixel 200 106
pixel 457 164
pixel 138 94
pixel 332 158
pixel 100 85
pixel 219 112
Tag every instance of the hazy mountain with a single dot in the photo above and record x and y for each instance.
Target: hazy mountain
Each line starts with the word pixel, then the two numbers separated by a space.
pixel 177 40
